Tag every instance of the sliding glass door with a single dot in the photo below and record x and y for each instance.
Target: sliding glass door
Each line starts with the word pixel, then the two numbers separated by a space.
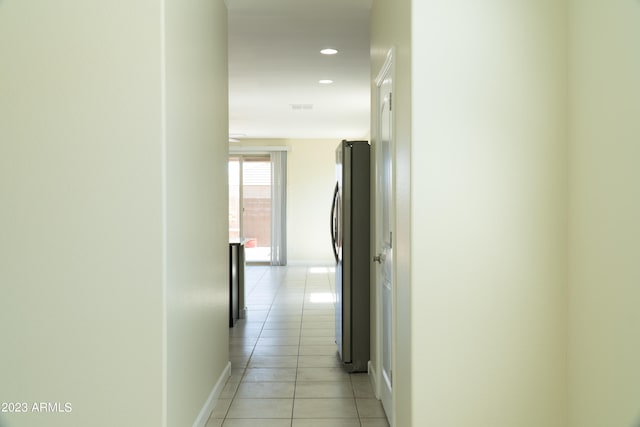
pixel 256 206
pixel 235 210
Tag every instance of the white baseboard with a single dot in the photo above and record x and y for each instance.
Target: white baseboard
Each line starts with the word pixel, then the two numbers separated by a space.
pixel 207 409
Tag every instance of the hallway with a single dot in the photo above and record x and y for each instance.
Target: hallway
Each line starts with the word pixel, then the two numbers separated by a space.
pixel 284 366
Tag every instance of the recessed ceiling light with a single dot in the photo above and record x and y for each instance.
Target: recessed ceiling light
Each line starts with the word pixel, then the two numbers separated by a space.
pixel 325 81
pixel 301 106
pixel 329 51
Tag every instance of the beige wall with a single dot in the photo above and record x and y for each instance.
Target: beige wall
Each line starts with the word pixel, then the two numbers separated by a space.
pixel 310 182
pixel 605 212
pixel 486 295
pixel 112 262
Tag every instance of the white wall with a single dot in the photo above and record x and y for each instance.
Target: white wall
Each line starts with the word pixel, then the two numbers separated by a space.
pixel 81 185
pixel 86 248
pixel 487 297
pixel 489 195
pixel 197 205
pixel 605 212
pixel 310 182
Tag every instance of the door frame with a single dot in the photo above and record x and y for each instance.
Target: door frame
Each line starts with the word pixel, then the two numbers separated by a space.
pixel 386 71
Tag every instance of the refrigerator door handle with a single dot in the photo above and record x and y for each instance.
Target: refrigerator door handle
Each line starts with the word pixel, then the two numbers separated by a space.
pixel 334 223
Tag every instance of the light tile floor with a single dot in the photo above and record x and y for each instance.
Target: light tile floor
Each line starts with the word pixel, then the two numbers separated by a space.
pixel 285 371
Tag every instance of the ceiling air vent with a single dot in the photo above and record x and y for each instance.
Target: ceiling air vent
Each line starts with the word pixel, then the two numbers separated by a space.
pixel 301 107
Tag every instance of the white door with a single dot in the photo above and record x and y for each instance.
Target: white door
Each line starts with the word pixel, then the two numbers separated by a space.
pixel 384 234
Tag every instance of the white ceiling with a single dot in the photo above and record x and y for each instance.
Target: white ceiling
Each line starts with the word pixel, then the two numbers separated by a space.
pixel 275 64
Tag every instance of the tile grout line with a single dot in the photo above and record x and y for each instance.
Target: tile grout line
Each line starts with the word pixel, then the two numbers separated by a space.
pixel 295 382
pixel 255 344
pixel 285 298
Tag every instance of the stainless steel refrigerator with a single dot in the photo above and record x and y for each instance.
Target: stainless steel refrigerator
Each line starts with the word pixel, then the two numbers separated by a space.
pixel 350 233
